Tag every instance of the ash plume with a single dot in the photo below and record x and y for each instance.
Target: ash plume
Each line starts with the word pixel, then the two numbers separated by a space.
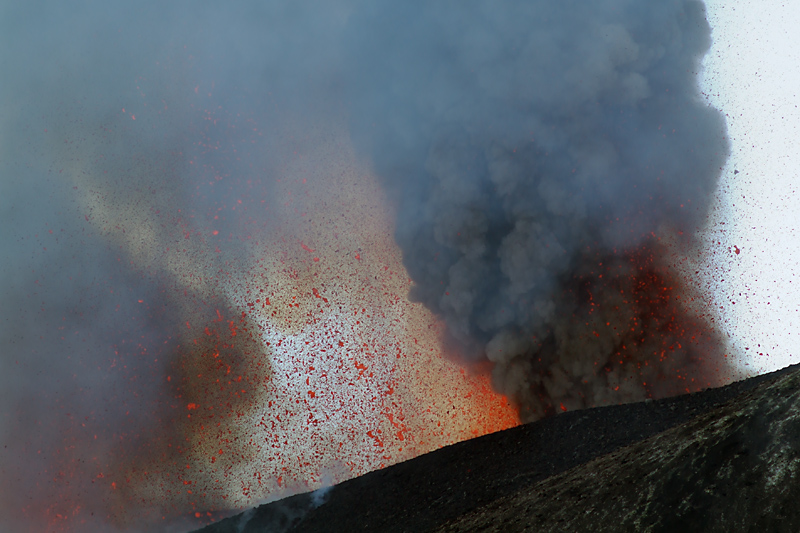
pixel 125 132
pixel 538 152
pixel 163 164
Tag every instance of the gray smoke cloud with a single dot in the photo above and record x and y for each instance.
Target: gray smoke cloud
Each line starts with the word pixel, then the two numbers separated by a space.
pixel 115 121
pixel 532 148
pixel 538 151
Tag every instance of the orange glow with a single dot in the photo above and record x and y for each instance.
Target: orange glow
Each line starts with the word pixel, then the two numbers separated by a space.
pixel 659 310
pixel 303 365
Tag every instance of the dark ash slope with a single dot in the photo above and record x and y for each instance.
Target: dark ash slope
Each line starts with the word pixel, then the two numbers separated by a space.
pixel 552 474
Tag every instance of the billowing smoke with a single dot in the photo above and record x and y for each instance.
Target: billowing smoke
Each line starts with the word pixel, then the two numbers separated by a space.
pixel 538 153
pixel 203 307
pixel 138 159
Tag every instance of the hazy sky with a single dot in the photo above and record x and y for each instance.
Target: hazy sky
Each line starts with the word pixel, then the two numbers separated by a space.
pixel 752 73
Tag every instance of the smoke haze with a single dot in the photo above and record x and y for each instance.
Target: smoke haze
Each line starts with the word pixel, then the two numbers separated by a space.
pixel 188 235
pixel 539 152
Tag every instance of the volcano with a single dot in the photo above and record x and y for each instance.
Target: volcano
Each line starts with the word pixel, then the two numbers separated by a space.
pixel 265 250
pixel 721 459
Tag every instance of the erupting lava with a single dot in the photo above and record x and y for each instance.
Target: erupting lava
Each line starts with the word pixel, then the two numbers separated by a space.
pixel 209 291
pixel 630 328
pixel 295 362
pixel 644 321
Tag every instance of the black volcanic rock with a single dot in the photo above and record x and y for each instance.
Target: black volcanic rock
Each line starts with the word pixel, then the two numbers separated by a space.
pixel 734 468
pixel 722 459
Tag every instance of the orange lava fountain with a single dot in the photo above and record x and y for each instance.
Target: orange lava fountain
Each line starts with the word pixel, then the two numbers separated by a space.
pixel 298 367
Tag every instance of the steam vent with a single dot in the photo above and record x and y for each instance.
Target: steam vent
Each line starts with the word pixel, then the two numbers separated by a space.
pixel 721 460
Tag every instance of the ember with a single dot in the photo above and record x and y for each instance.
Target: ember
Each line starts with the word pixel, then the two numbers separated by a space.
pixel 210 297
